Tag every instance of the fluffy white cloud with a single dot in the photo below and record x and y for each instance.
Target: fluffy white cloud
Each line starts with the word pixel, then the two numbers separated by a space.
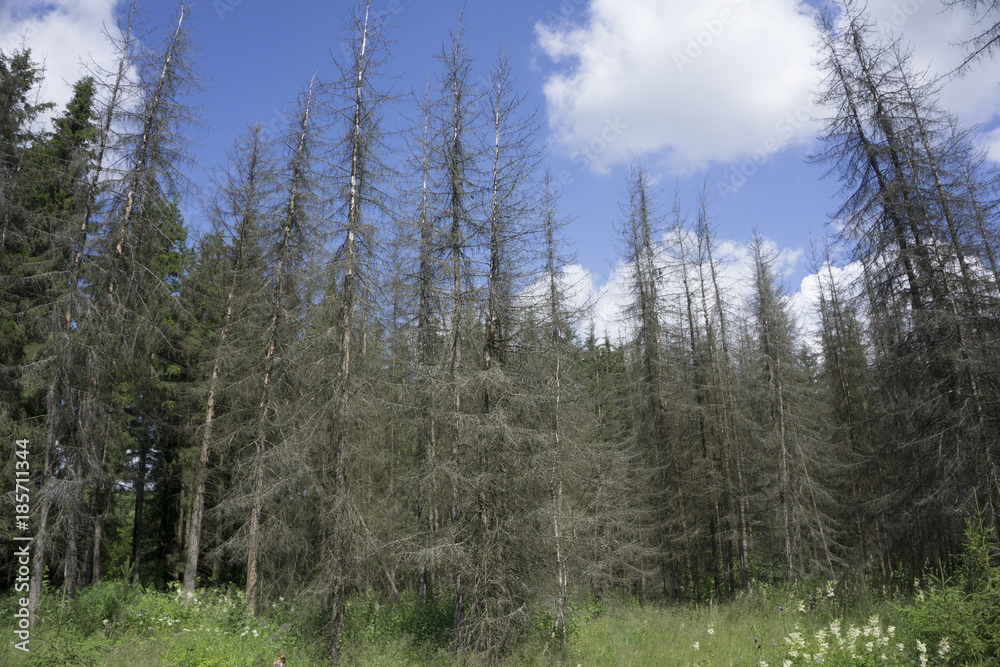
pixel 588 304
pixel 610 301
pixel 719 81
pixel 694 83
pixel 804 303
pixel 59 33
pixel 935 34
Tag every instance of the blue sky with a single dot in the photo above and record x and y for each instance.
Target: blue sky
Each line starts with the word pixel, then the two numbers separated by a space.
pixel 715 93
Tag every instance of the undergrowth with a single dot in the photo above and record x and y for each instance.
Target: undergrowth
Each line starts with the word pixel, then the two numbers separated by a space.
pixel 945 621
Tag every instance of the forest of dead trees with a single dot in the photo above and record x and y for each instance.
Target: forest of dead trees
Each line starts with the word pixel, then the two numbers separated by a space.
pixel 367 373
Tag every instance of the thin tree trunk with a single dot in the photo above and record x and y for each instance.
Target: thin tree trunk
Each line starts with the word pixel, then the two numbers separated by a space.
pixel 347 315
pixel 40 544
pixel 729 420
pixel 292 212
pixel 557 475
pixel 140 497
pixel 201 475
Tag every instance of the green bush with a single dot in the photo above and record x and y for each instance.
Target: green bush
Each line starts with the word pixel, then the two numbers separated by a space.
pixel 372 622
pixel 98 606
pixel 72 651
pixel 964 610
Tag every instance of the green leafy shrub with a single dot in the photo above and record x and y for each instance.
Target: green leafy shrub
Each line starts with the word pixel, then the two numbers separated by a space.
pixel 372 622
pixel 73 652
pixel 98 606
pixel 963 610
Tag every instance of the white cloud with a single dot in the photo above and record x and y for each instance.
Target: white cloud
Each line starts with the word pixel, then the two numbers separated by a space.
pixel 740 256
pixel 693 83
pixel 935 34
pixel 720 81
pixel 610 301
pixel 60 33
pixel 991 141
pixel 588 304
pixel 804 303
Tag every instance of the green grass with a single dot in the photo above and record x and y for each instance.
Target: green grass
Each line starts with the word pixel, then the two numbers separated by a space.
pixel 668 636
pixel 746 631
pixel 113 624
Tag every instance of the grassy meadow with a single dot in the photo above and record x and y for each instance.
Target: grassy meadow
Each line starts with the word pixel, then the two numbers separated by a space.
pixel 850 623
